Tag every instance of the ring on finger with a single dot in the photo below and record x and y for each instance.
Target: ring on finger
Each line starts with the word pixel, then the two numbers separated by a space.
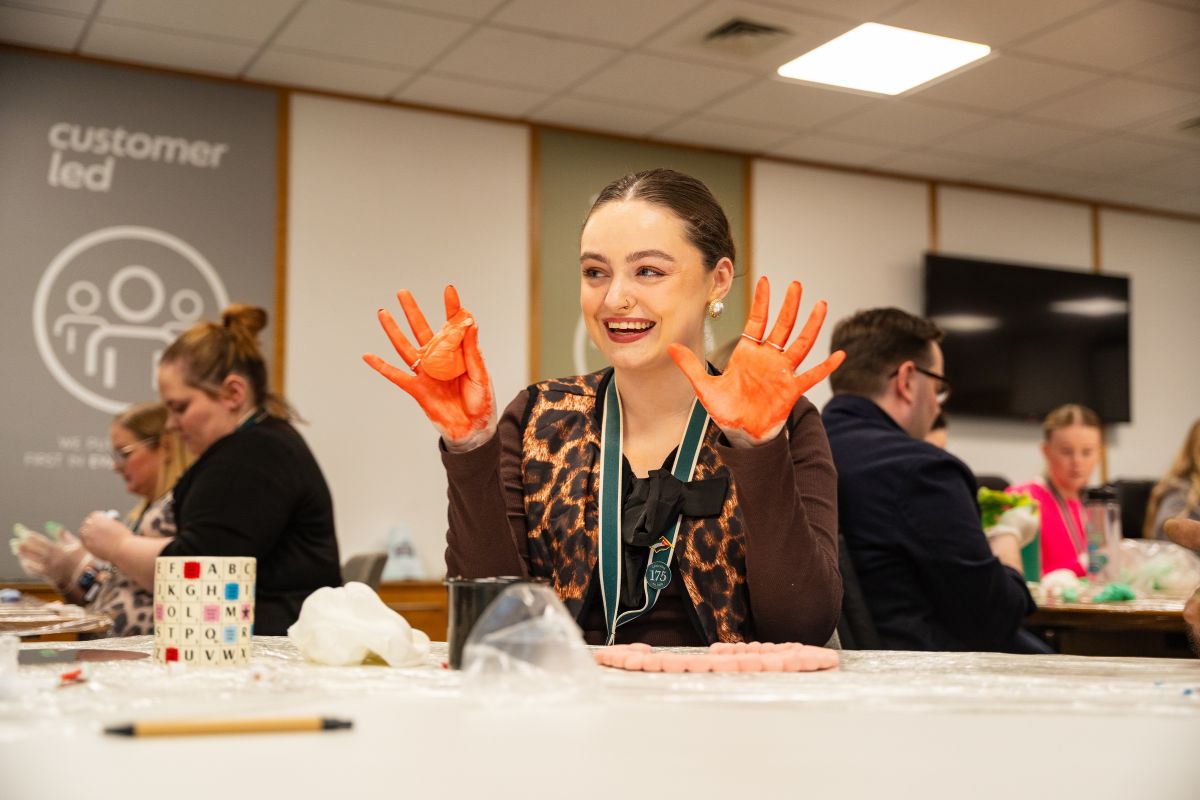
pixel 772 344
pixel 751 338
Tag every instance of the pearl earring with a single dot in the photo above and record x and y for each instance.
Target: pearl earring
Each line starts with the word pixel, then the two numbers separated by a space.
pixel 716 308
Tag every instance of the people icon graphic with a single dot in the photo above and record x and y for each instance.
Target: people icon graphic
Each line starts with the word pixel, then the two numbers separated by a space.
pixel 110 303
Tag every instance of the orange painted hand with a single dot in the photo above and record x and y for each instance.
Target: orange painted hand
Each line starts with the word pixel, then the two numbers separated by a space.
pixel 458 401
pixel 751 400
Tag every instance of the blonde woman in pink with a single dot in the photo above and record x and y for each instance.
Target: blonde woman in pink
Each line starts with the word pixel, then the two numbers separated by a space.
pixel 1071 447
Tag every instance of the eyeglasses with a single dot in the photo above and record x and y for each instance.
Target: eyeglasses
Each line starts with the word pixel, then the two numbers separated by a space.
pixel 122 454
pixel 944 387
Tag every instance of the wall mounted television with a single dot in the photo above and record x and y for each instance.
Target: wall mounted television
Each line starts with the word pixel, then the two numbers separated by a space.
pixel 1022 339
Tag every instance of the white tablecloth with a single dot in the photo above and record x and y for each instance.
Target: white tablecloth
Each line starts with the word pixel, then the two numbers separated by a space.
pixel 884 724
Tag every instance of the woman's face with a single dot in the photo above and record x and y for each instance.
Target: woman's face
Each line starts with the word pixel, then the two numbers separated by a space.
pixel 137 461
pixel 643 284
pixel 200 418
pixel 1071 454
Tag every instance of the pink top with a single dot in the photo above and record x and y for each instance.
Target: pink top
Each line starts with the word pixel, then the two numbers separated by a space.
pixel 1060 550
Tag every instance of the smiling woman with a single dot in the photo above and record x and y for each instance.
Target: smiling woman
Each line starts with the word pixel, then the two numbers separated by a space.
pixel 664 502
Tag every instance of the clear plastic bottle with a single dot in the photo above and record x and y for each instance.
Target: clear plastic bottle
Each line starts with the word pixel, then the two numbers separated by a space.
pixel 1103 525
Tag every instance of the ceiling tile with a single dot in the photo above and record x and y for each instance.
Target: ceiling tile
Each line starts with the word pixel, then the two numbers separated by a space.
pixel 1117 36
pixel 619 22
pixel 717 133
pixel 572 112
pixel 72 7
pixel 299 69
pixel 1181 67
pixel 1008 140
pixel 232 19
pixel 666 83
pixel 805 32
pixel 1180 127
pixel 985 21
pixel 1004 83
pixel 1124 191
pixel 814 147
pixel 787 104
pixel 1113 103
pixel 436 90
pixel 855 10
pixel 77 7
pixel 1182 173
pixel 1038 179
pixel 371 33
pixel 524 59
pixel 143 46
pixel 1186 202
pixel 471 9
pixel 1111 155
pixel 40 29
pixel 934 165
pixel 903 122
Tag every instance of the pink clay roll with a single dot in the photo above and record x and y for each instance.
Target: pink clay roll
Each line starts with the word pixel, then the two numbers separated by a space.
pixel 674 662
pixel 772 662
pixel 634 660
pixel 724 663
pixel 750 662
pixel 700 663
pixel 652 662
pixel 722 648
pixel 641 647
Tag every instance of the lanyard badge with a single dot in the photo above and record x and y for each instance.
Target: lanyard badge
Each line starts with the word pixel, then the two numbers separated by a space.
pixel 658 571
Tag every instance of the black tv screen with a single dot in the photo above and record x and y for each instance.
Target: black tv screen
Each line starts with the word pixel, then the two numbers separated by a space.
pixel 1022 340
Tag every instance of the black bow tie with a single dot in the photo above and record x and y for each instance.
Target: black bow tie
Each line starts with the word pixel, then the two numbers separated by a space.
pixel 660 499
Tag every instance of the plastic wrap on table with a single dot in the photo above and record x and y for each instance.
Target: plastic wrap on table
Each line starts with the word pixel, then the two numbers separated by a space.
pixel 1156 568
pixel 279 681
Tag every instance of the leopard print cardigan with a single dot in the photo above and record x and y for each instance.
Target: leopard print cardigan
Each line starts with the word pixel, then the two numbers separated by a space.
pixel 129 606
pixel 560 468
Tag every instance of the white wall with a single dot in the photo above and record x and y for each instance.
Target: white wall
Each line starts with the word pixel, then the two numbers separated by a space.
pixel 851 240
pixel 382 199
pixel 1163 259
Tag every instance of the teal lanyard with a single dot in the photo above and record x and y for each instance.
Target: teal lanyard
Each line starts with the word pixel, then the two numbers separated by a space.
pixel 658 570
pixel 252 420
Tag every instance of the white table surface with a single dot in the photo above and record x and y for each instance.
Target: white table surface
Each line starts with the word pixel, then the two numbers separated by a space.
pixel 884 725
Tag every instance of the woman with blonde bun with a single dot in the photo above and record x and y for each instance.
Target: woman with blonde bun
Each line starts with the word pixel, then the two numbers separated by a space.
pixel 255 489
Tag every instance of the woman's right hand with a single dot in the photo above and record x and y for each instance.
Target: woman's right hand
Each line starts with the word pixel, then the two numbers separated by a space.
pixel 460 404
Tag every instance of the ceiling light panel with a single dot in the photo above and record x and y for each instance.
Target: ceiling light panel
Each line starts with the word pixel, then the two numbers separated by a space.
pixel 883 59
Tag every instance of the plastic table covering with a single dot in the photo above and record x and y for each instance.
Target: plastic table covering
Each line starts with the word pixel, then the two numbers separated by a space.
pixel 905 724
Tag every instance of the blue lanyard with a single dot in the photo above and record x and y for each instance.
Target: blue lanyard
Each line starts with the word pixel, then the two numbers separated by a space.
pixel 658 570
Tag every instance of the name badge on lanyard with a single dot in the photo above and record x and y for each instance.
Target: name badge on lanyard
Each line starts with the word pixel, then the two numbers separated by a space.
pixel 658 571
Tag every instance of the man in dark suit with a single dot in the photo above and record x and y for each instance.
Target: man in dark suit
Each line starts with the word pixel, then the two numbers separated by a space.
pixel 931 578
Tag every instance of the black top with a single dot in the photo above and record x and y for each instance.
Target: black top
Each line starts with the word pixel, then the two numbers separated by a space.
pixel 909 515
pixel 259 492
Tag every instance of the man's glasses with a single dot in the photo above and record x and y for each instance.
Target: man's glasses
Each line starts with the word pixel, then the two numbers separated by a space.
pixel 944 387
pixel 122 454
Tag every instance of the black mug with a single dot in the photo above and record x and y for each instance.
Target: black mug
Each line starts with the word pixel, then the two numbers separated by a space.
pixel 469 598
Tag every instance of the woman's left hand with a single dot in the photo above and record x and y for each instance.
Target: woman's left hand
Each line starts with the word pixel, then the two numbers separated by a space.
pixel 751 400
pixel 103 535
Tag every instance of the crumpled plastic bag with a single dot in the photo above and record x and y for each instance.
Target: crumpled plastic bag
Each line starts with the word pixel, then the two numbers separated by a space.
pixel 343 626
pixel 1158 568
pixel 526 647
